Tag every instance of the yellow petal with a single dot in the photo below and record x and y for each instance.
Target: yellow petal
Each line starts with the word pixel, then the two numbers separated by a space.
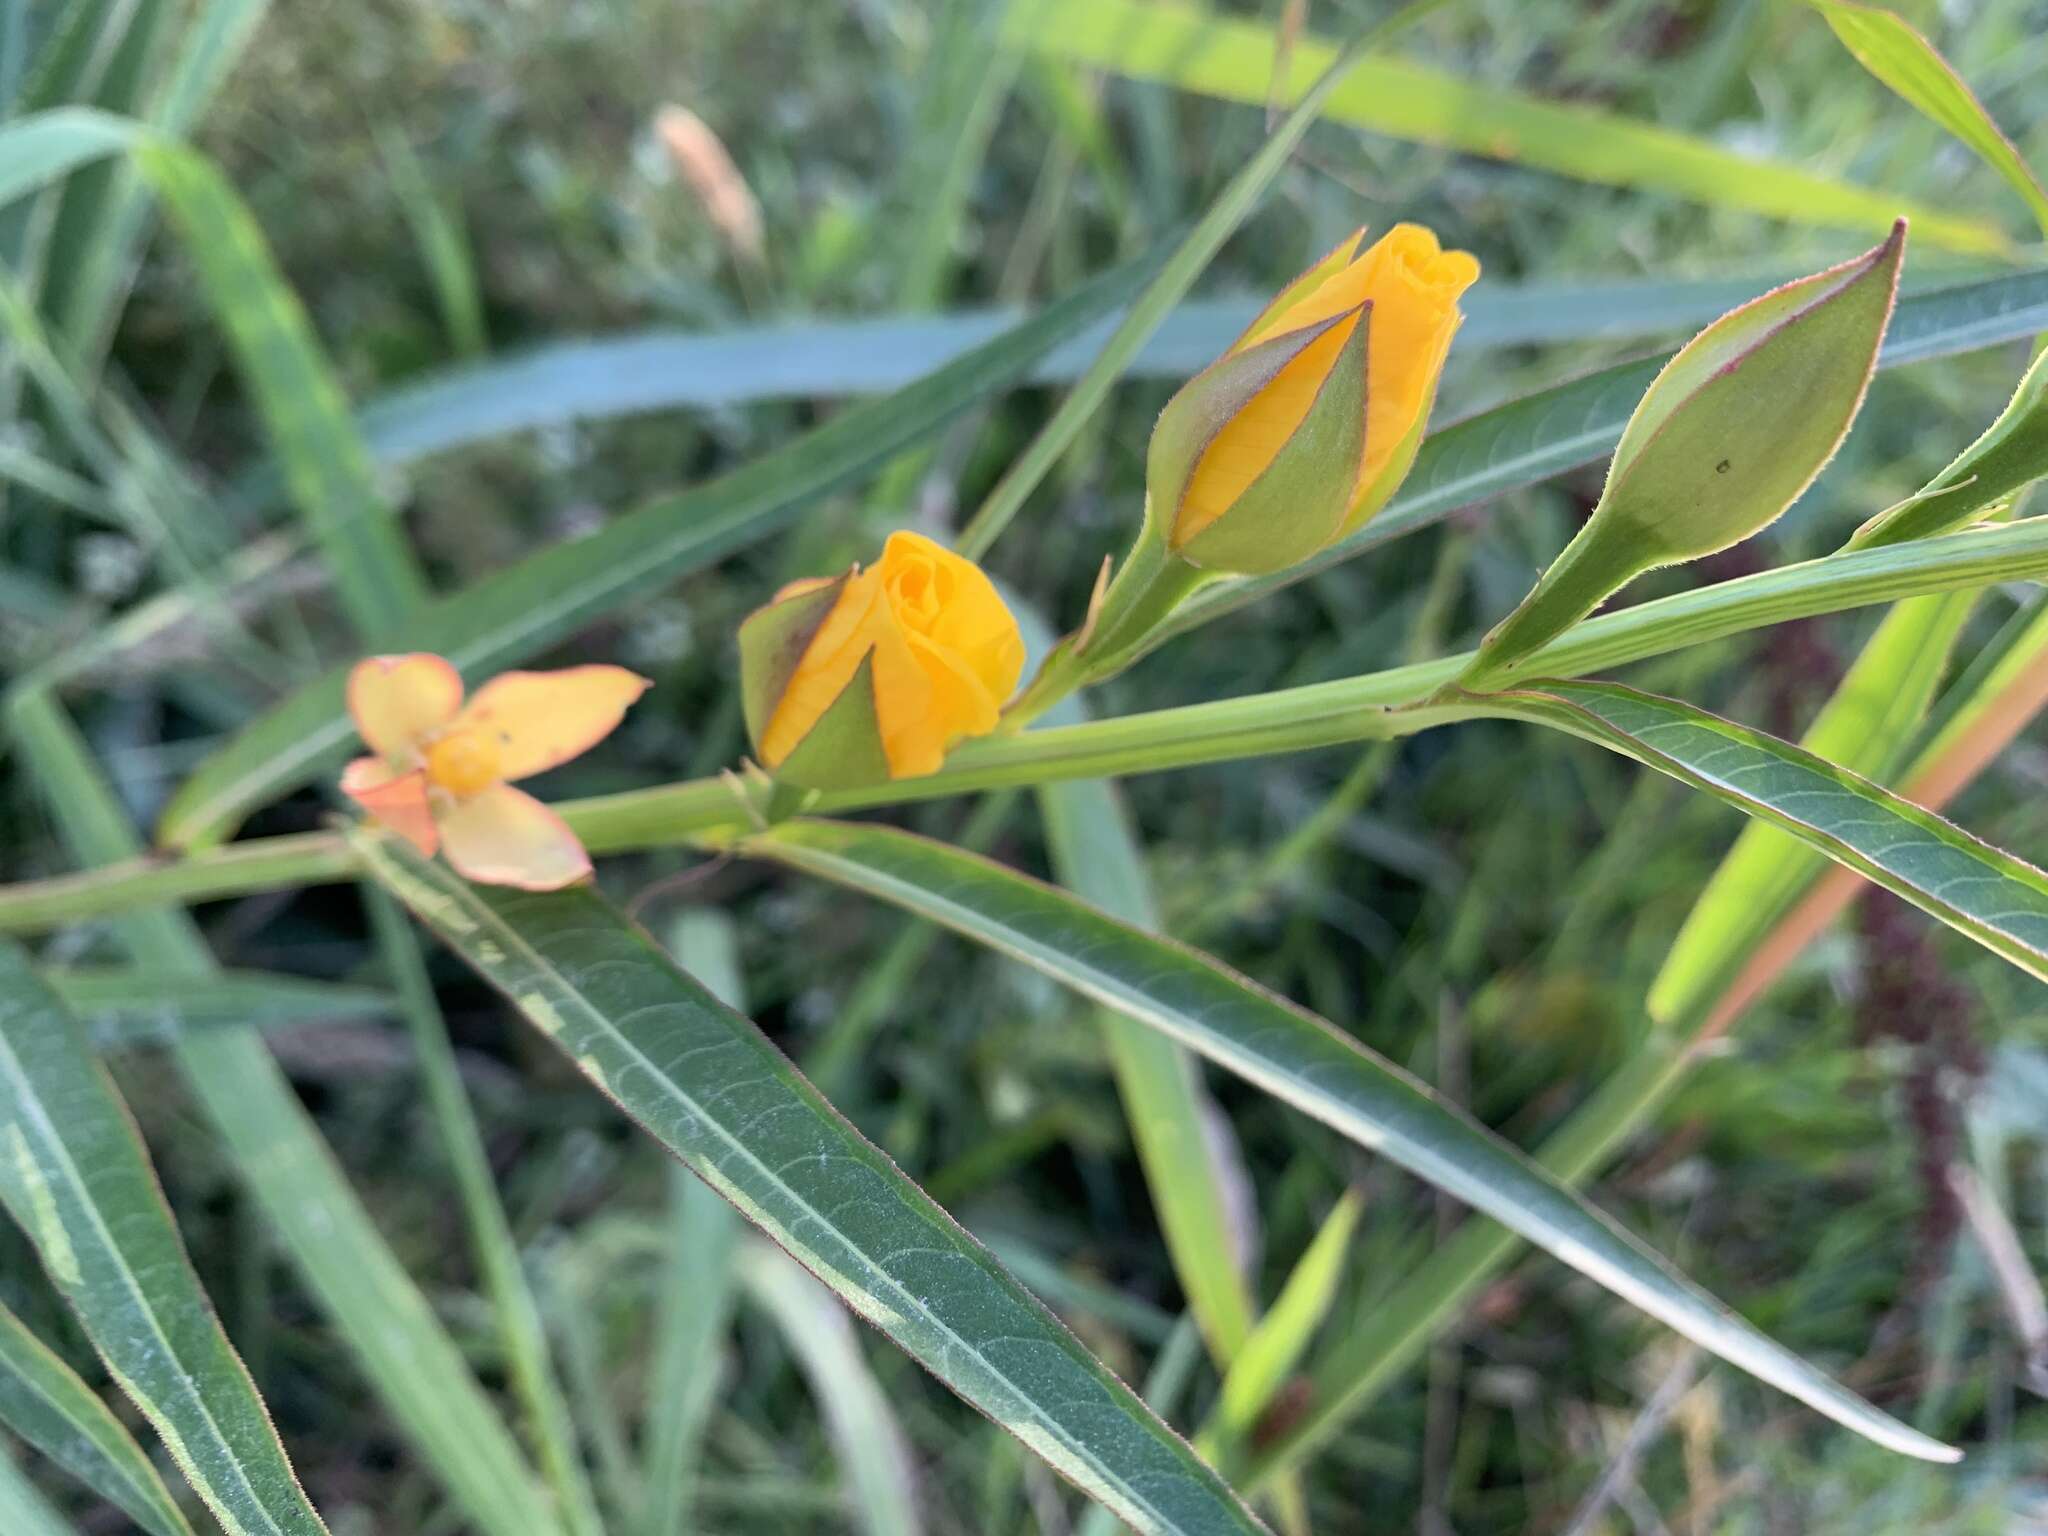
pixel 503 836
pixel 537 720
pixel 394 800
pixel 398 701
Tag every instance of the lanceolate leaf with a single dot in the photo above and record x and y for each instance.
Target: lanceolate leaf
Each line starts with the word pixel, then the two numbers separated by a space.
pixel 508 617
pixel 1904 60
pixel 1865 728
pixel 711 1088
pixel 74 1174
pixel 1300 1058
pixel 1994 898
pixel 43 1401
pixel 135 1005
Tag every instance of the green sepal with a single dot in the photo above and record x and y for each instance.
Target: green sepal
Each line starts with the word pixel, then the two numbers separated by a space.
pixel 1341 256
pixel 1299 501
pixel 1727 437
pixel 844 749
pixel 1203 407
pixel 1388 480
pixel 773 639
pixel 2012 454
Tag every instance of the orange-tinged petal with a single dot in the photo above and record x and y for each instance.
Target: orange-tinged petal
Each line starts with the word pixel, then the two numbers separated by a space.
pixel 535 721
pixel 399 701
pixel 503 836
pixel 394 800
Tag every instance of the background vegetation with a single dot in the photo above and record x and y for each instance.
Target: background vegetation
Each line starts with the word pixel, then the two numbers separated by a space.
pixel 461 180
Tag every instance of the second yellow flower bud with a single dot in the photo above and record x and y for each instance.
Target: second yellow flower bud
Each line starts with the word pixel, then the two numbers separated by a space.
pixel 1307 424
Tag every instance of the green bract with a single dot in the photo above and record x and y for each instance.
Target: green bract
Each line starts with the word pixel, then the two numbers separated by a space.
pixel 2012 454
pixel 1298 502
pixel 844 749
pixel 1728 436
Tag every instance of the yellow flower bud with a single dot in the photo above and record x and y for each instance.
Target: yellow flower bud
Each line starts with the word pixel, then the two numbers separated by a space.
pixel 1307 424
pixel 878 673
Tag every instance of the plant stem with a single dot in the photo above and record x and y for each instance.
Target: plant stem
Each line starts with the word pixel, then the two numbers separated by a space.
pixel 1375 707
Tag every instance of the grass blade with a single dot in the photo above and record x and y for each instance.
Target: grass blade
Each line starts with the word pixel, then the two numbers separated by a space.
pixel 269 1139
pixel 710 1087
pixel 43 1401
pixel 696 1296
pixel 506 618
pixel 304 411
pixel 1283 1335
pixel 1299 1058
pixel 870 1445
pixel 76 1177
pixel 126 1006
pixel 490 1233
pixel 1095 855
pixel 1234 60
pixel 1990 896
pixel 37 150
pixel 604 378
pixel 1891 50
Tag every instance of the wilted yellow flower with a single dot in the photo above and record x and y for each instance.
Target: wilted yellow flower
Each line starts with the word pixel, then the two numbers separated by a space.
pixel 876 674
pixel 1307 424
pixel 442 770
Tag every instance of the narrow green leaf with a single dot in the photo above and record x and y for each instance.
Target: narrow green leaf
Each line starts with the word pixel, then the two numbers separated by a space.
pixel 1864 728
pixel 1300 1058
pixel 1544 434
pixel 1096 856
pixel 710 1087
pixel 694 1306
pixel 1989 895
pixel 634 372
pixel 1234 60
pixel 869 1444
pixel 442 243
pixel 74 1174
pixel 124 1006
pixel 35 151
pixel 490 1231
pixel 1904 60
pixel 272 1144
pixel 43 1401
pixel 1284 1333
pixel 304 411
pixel 506 618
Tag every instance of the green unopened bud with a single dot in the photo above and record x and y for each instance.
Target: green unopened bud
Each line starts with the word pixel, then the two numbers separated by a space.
pixel 2012 454
pixel 1727 437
